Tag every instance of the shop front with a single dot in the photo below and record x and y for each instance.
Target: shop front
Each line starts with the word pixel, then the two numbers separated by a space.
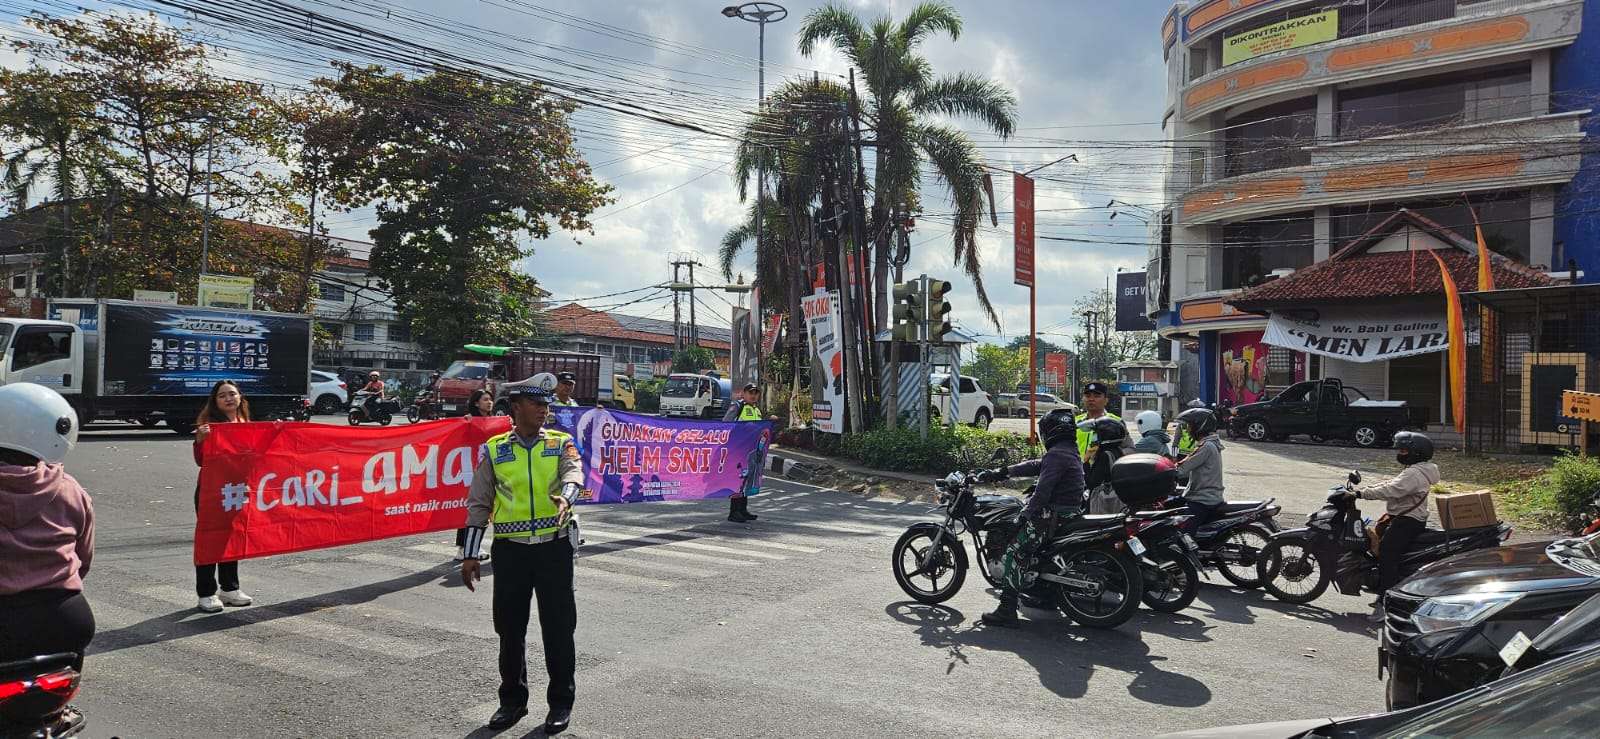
pixel 1226 344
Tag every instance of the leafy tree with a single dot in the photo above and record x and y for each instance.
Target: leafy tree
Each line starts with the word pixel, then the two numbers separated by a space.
pixel 459 166
pixel 998 368
pixel 693 359
pixel 903 100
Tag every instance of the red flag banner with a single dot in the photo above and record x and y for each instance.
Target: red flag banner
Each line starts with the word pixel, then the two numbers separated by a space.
pixel 1458 345
pixel 1022 229
pixel 275 488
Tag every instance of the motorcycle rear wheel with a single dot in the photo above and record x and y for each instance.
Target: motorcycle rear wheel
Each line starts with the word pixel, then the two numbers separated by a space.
pixel 1291 572
pixel 1245 543
pixel 1173 585
pixel 412 414
pixel 950 560
pixel 1119 584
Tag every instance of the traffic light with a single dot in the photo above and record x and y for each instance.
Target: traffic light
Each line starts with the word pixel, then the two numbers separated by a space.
pixel 938 309
pixel 908 310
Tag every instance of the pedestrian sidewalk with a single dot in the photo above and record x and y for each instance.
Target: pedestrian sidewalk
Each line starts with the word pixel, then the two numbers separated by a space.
pixel 782 461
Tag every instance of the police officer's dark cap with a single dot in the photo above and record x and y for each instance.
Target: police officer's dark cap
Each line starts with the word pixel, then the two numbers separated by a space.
pixel 531 392
pixel 751 387
pixel 1095 387
pixel 566 377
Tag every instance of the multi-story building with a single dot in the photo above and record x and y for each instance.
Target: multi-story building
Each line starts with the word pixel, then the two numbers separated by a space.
pixel 1320 150
pixel 636 340
pixel 358 317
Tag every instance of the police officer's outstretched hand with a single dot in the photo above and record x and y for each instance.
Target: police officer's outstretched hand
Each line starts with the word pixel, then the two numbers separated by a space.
pixel 563 509
pixel 469 573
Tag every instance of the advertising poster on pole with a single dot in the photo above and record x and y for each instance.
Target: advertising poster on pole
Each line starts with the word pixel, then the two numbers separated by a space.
pixel 1022 229
pixel 827 361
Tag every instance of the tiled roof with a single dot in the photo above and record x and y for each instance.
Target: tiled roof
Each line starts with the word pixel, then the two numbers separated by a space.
pixel 575 320
pixel 1353 274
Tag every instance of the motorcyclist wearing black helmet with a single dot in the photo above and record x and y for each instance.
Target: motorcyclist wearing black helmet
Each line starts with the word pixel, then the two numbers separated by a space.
pixel 1058 494
pixel 1406 496
pixel 1107 438
pixel 1203 466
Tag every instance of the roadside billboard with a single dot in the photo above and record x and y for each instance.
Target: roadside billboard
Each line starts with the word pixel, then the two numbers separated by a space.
pixel 226 291
pixel 1288 34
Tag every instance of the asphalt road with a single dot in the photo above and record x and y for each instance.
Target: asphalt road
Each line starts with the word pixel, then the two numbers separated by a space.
pixel 688 626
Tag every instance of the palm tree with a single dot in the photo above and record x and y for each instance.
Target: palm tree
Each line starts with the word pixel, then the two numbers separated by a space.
pixel 902 92
pixel 793 141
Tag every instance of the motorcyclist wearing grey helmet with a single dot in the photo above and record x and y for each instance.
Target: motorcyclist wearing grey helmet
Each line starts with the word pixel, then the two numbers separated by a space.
pixel 1406 496
pixel 1058 494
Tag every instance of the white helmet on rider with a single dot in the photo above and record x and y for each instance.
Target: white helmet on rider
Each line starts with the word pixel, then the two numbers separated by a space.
pixel 39 422
pixel 1148 421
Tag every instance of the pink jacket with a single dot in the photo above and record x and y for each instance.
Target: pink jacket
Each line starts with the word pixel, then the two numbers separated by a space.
pixel 46 529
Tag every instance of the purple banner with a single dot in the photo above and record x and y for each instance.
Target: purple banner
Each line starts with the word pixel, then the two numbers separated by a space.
pixel 629 458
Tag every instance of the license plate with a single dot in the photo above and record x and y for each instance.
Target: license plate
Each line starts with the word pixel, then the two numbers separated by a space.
pixel 450 406
pixel 1136 546
pixel 1513 649
pixel 1188 541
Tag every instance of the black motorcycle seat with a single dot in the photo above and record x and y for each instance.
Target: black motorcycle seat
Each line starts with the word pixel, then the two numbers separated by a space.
pixel 1162 513
pixel 1090 521
pixel 1238 506
pixel 1430 537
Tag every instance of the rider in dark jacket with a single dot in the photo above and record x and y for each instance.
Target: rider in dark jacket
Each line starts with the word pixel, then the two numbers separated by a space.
pixel 1058 494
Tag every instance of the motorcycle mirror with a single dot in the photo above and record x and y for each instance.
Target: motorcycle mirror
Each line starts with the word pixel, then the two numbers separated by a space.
pixel 1355 477
pixel 1001 455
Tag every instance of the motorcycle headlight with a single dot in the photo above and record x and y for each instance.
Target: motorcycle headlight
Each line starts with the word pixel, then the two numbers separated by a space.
pixel 1457 611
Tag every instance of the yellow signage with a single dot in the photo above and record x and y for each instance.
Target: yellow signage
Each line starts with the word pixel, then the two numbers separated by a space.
pixel 1290 34
pixel 1582 406
pixel 226 291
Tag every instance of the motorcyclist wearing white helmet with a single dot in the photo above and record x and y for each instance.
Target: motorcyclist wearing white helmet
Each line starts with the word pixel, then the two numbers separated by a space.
pixel 1153 438
pixel 46 528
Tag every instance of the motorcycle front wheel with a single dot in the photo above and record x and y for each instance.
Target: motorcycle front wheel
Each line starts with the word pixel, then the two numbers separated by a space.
pixel 940 580
pixel 1237 553
pixel 412 414
pixel 1103 586
pixel 355 418
pixel 1172 584
pixel 1291 571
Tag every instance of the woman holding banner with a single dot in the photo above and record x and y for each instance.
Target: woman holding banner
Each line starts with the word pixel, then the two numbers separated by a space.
pixel 480 406
pixel 226 404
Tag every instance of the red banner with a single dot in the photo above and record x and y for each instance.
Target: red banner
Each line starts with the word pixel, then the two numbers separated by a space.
pixel 1022 228
pixel 274 488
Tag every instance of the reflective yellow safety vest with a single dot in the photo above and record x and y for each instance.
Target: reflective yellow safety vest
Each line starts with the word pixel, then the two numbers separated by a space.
pixel 1186 443
pixel 1086 437
pixel 522 481
pixel 748 412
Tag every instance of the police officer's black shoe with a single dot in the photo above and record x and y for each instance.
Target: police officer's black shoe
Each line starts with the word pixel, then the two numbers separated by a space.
pixel 1005 614
pixel 1034 601
pixel 505 717
pixel 557 720
pixel 744 507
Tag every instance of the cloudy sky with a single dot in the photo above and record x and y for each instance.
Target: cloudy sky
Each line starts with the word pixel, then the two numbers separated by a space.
pixel 1086 74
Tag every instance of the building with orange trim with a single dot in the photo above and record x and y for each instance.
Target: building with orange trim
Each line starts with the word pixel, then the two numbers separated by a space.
pixel 1298 129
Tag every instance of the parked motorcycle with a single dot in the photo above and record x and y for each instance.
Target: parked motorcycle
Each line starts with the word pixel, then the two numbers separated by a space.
pixel 300 411
pixel 1082 570
pixel 1594 509
pixel 34 694
pixel 1297 565
pixel 380 412
pixel 1166 559
pixel 425 407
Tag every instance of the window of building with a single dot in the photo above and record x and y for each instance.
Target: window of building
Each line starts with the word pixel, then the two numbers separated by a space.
pixel 1253 249
pixel 399 332
pixel 1270 137
pixel 1361 17
pixel 334 330
pixel 19 281
pixel 396 364
pixel 640 354
pixel 1430 102
pixel 586 347
pixel 1504 216
pixel 330 291
pixel 366 332
pixel 621 354
pixel 362 363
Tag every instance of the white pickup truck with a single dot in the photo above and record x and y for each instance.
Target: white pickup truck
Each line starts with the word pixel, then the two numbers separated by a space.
pixel 974 405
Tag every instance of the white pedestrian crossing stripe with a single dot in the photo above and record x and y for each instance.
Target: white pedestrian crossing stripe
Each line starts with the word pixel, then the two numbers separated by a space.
pixel 235 650
pixel 267 618
pixel 590 533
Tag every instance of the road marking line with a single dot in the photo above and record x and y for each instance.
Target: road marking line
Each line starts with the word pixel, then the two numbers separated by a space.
pixel 679 570
pixel 306 625
pixel 243 652
pixel 729 537
pixel 588 570
pixel 687 544
pixel 657 551
pixel 395 561
pixel 840 528
pixel 431 548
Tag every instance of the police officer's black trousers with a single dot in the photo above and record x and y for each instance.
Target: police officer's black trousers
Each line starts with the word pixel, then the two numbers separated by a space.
pixel 522 572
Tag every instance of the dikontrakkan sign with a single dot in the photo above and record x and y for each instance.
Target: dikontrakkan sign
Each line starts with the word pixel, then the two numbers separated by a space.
pixel 1358 336
pixel 1290 34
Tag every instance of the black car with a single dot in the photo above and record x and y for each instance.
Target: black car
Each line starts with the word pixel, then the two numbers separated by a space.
pixel 1446 626
pixel 1324 409
pixel 1557 699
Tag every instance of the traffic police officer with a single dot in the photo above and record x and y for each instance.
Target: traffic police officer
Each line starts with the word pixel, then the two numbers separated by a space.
pixel 1095 397
pixel 745 408
pixel 566 382
pixel 526 485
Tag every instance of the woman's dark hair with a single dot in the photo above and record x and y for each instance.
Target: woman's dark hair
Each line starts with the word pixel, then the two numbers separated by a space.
pixel 472 405
pixel 213 414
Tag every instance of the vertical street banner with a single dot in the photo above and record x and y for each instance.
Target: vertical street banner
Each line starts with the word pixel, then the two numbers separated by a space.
pixel 1022 228
pixel 279 487
pixel 827 360
pixel 746 344
pixel 631 458
pixel 771 334
pixel 1131 303
pixel 1055 363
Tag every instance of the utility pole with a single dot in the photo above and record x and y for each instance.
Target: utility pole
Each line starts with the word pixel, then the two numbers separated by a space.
pixel 205 215
pixel 677 313
pixel 311 246
pixel 855 392
pixel 694 324
pixel 867 279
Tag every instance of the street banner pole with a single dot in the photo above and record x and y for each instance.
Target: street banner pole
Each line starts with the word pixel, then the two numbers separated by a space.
pixel 1022 234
